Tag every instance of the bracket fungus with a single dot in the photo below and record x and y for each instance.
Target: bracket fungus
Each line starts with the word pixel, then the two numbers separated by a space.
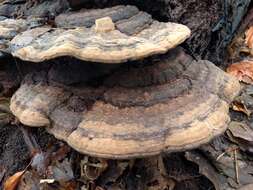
pixel 9 28
pixel 160 104
pixel 160 100
pixel 111 35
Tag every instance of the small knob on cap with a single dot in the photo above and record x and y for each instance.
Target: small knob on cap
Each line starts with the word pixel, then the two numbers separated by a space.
pixel 104 25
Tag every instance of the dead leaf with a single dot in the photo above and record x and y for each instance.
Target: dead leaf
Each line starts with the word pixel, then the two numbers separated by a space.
pixel 71 185
pixel 205 168
pixel 244 102
pixel 61 171
pixel 248 20
pixel 246 187
pixel 241 130
pixel 61 153
pixel 29 181
pixel 226 163
pixel 241 134
pixel 240 107
pixel 13 181
pixel 40 162
pixel 234 49
pixel 113 172
pixel 151 174
pixel 243 71
pixel 92 168
pixel 249 37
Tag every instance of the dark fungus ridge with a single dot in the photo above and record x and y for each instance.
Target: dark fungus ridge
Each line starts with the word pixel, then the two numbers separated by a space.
pixel 128 19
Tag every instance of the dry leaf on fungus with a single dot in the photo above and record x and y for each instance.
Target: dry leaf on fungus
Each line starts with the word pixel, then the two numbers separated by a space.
pixel 246 187
pixel 243 71
pixel 240 107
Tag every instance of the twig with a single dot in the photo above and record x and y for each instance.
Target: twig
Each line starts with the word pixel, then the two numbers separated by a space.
pixel 161 167
pixel 236 167
pixel 226 151
pixel 221 155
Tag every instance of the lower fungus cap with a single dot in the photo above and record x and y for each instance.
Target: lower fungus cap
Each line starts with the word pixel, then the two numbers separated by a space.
pixel 136 115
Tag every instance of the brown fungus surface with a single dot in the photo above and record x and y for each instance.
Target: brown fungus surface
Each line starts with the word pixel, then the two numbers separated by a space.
pixel 132 35
pixel 175 103
pixel 9 28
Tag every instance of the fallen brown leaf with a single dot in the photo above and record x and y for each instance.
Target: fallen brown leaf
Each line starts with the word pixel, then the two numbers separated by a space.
pixel 30 181
pixel 240 107
pixel 61 153
pixel 61 171
pixel 246 187
pixel 223 149
pixel 71 185
pixel 241 134
pixel 243 71
pixel 234 49
pixel 249 37
pixel 114 171
pixel 205 168
pixel 13 181
pixel 92 168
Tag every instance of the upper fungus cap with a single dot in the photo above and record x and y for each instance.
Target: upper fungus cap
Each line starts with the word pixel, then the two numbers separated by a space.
pixel 111 35
pixel 9 28
pixel 170 104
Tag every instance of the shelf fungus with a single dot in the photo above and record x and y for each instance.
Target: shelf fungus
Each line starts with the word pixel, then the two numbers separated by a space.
pixel 111 35
pixel 9 28
pixel 161 104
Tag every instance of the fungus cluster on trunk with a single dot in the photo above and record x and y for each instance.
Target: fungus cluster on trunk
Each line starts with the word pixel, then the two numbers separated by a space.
pixel 133 93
